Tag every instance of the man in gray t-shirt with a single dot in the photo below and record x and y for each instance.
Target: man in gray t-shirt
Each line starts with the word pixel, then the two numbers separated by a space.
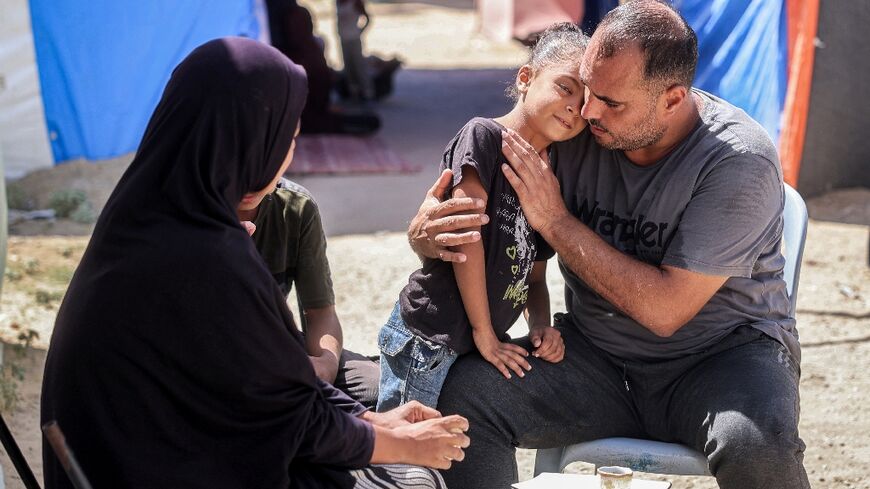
pixel 666 215
pixel 712 206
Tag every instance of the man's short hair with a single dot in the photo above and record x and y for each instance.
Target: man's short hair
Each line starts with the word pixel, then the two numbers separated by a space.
pixel 668 43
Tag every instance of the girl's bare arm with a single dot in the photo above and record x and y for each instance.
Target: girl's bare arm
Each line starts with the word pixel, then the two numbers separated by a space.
pixel 471 280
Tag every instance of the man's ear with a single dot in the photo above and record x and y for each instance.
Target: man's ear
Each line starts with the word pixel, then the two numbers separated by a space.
pixel 524 78
pixel 673 98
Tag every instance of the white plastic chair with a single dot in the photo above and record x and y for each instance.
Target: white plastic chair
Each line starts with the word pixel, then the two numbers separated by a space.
pixel 673 458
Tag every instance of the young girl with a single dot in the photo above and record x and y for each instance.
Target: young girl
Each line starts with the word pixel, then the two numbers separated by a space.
pixel 447 310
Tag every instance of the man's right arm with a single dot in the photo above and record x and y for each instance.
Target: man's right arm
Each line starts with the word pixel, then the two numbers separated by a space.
pixel 660 298
pixel 442 224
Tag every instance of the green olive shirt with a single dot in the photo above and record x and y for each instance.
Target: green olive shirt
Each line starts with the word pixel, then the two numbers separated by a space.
pixel 290 239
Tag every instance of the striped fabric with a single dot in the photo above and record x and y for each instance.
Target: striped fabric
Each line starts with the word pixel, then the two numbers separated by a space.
pixel 397 476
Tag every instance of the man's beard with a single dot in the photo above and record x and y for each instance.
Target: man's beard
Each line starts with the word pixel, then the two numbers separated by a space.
pixel 646 134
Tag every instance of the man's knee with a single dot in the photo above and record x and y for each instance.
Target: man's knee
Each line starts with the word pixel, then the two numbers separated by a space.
pixel 738 439
pixel 746 453
pixel 454 392
pixel 465 388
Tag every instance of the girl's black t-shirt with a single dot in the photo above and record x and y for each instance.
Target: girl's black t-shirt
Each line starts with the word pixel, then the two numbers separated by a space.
pixel 431 305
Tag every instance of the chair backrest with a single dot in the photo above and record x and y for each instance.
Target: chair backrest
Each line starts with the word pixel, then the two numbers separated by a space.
pixel 794 235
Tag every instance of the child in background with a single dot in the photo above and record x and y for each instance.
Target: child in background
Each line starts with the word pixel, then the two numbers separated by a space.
pixel 364 78
pixel 449 309
pixel 348 14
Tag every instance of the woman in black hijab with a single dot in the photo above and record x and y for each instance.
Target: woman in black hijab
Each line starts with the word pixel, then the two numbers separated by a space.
pixel 174 360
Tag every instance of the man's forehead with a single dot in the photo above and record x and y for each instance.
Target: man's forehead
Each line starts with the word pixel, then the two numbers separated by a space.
pixel 585 63
pixel 624 68
pixel 591 56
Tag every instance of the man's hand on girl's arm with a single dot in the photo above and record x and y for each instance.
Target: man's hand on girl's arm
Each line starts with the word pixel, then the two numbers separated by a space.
pixel 440 224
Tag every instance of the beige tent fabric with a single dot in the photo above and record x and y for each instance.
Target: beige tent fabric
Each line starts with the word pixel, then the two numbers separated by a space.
pixel 24 143
pixel 503 20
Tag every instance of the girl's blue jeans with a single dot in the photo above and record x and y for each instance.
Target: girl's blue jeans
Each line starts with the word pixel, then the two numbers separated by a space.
pixel 412 367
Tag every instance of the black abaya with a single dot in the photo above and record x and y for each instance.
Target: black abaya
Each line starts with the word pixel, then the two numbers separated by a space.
pixel 174 360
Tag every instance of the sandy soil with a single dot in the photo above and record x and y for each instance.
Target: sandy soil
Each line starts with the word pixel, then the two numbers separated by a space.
pixel 449 77
pixel 369 270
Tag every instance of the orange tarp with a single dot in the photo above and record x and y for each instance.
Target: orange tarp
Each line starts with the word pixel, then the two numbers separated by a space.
pixel 803 21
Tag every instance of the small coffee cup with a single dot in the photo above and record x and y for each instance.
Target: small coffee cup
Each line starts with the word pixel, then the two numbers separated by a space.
pixel 614 477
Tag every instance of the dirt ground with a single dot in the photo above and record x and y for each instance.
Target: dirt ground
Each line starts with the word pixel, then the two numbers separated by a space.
pixel 447 79
pixel 369 270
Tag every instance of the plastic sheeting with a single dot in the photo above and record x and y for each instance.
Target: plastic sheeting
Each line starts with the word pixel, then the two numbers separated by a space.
pixel 23 138
pixel 103 63
pixel 742 51
pixel 742 54
pixel 593 13
pixel 803 24
pixel 503 20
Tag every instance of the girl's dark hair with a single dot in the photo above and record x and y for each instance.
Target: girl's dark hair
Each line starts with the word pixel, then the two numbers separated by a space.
pixel 560 43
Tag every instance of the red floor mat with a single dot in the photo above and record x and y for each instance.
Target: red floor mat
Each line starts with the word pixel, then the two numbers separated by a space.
pixel 341 154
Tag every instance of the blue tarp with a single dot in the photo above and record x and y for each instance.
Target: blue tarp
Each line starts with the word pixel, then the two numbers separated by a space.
pixel 742 54
pixel 103 63
pixel 594 11
pixel 742 51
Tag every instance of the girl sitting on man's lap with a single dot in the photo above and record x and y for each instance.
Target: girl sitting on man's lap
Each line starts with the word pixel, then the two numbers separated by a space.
pixel 447 310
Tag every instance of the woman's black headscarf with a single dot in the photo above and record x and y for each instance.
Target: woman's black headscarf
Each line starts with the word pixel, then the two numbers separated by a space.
pixel 174 360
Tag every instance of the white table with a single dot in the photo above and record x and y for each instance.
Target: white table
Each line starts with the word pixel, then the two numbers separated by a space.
pixel 581 481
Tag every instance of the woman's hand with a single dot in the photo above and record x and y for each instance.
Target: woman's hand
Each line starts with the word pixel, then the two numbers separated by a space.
pixel 548 343
pixel 502 355
pixel 408 413
pixel 249 227
pixel 435 443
